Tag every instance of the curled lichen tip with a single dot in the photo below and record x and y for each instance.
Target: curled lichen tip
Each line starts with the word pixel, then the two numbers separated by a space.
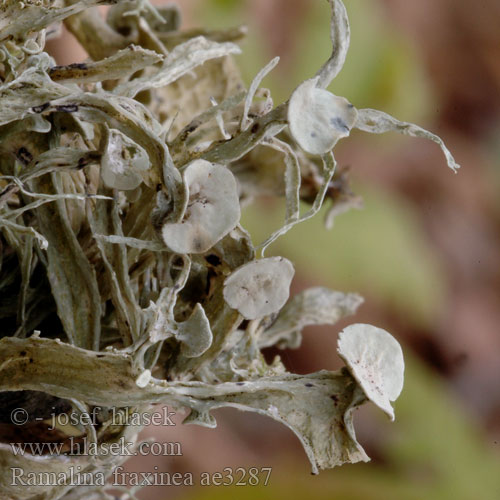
pixel 375 359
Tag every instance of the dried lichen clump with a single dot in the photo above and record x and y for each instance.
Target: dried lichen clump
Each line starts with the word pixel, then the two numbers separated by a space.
pixel 126 277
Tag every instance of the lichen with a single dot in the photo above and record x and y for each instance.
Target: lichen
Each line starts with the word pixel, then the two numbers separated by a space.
pixel 126 277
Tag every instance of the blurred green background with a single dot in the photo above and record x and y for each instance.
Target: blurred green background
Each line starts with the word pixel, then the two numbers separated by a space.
pixel 424 250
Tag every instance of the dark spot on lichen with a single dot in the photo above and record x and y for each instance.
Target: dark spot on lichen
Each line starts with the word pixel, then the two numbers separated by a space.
pixel 198 244
pixel 335 399
pixel 213 259
pixel 67 108
pixel 56 69
pixel 83 161
pixel 240 383
pixel 78 66
pixel 24 156
pixel 178 261
pixel 254 128
pixel 309 385
pixel 22 353
pixel 339 124
pixel 188 130
pixel 41 108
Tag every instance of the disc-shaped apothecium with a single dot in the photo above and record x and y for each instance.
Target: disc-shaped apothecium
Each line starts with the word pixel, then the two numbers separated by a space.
pixel 260 287
pixel 213 209
pixel 318 118
pixel 122 162
pixel 375 359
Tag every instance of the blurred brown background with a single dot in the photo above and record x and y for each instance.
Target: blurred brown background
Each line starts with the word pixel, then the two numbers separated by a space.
pixel 424 251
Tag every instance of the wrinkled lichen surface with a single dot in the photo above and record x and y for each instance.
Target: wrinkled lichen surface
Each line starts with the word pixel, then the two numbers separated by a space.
pixel 126 278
